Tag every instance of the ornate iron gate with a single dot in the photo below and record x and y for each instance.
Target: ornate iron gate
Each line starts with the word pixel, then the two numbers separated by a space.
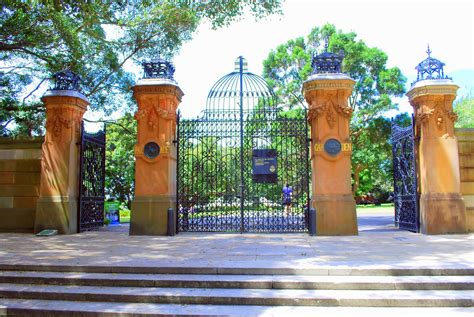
pixel 234 161
pixel 405 178
pixel 91 180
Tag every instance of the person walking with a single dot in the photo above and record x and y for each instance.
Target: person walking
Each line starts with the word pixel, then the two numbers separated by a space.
pixel 287 195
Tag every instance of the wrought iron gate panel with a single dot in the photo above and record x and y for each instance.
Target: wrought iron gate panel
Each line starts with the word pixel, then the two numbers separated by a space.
pixel 219 187
pixel 209 175
pixel 406 198
pixel 91 180
pixel 263 207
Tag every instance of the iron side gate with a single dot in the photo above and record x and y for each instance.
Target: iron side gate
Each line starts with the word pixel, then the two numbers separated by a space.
pixel 234 161
pixel 405 185
pixel 91 180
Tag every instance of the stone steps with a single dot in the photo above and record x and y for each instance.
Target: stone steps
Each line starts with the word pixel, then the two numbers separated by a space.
pixel 21 307
pixel 319 271
pixel 219 296
pixel 64 308
pixel 111 291
pixel 314 282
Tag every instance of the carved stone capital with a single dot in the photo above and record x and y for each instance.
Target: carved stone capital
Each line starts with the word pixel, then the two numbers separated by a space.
pixel 422 113
pixel 155 87
pixel 59 118
pixel 152 114
pixel 331 110
pixel 323 83
pixel 316 111
pixel 432 87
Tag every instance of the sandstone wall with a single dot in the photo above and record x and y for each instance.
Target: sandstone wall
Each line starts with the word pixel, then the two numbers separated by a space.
pixel 20 165
pixel 466 165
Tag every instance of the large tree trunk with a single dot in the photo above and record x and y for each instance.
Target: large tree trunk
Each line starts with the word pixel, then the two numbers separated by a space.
pixel 358 168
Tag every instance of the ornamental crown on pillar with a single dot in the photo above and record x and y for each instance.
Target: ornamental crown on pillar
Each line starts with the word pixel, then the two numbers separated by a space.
pixel 66 80
pixel 430 68
pixel 327 62
pixel 158 68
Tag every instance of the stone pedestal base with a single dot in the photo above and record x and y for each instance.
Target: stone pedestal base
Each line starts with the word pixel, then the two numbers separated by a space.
pixel 442 213
pixel 56 212
pixel 150 215
pixel 335 215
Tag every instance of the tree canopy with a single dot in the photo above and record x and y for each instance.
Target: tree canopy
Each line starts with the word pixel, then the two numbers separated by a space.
pixel 120 159
pixel 289 65
pixel 95 39
pixel 464 107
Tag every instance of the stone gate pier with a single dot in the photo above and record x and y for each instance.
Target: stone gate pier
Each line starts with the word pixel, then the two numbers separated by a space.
pixel 158 97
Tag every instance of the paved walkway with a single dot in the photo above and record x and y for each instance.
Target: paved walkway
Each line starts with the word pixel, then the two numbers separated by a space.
pixel 379 245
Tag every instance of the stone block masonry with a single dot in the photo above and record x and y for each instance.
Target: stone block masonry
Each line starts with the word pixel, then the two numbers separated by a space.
pixel 20 172
pixel 466 167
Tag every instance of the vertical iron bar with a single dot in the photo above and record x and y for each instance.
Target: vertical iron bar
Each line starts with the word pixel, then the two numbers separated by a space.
pixel 102 193
pixel 308 167
pixel 81 176
pixel 395 170
pixel 178 198
pixel 414 145
pixel 241 108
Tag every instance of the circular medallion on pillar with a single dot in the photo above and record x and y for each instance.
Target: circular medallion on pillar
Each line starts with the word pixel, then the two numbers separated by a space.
pixel 151 150
pixel 332 147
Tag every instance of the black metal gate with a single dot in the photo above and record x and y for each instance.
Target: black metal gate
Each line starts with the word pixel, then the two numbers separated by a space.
pixel 405 185
pixel 234 161
pixel 91 180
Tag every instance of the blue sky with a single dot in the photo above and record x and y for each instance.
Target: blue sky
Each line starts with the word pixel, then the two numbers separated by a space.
pixel 401 28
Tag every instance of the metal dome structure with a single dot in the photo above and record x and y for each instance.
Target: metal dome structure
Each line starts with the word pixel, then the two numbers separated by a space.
pixel 233 160
pixel 430 68
pixel 239 92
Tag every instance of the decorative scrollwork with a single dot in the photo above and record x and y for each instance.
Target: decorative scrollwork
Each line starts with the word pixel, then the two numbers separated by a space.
pixel 216 191
pixel 210 170
pixel 405 178
pixel 92 181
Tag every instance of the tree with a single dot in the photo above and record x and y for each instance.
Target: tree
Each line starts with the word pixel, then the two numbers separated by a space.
pixel 120 159
pixel 95 39
pixel 289 65
pixel 375 150
pixel 464 108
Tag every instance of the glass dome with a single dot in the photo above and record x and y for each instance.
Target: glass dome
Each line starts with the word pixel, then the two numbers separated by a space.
pixel 239 91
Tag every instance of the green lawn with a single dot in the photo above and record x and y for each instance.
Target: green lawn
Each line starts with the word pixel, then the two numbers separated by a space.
pixel 124 216
pixel 124 219
pixel 384 208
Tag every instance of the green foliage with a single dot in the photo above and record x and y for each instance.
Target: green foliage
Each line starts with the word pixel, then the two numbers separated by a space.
pixel 289 65
pixel 120 159
pixel 374 157
pixel 125 213
pixel 464 108
pixel 95 39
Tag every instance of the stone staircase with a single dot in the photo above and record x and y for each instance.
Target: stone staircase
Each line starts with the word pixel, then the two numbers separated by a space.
pixel 28 290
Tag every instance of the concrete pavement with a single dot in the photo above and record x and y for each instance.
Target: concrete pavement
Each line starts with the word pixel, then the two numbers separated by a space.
pixel 378 245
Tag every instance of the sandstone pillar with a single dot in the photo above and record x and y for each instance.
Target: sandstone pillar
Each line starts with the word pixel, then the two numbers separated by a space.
pixel 329 116
pixel 57 205
pixel 442 208
pixel 155 153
